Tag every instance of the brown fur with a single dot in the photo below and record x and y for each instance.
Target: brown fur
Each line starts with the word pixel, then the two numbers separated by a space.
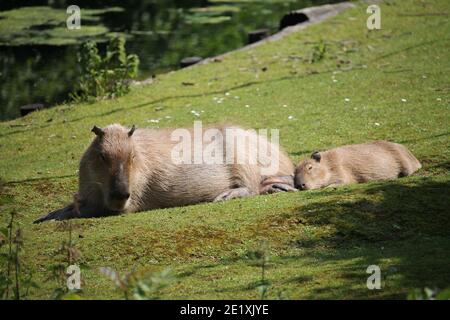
pixel 379 160
pixel 141 166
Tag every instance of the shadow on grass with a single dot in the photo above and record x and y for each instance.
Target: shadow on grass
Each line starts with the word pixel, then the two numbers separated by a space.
pixel 403 226
pixel 408 223
pixel 380 212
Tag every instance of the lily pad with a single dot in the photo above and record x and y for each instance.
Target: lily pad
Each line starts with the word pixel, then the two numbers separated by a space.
pixel 47 26
pixel 217 9
pixel 206 19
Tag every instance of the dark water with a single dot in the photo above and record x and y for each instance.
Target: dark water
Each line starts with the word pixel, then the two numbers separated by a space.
pixel 163 32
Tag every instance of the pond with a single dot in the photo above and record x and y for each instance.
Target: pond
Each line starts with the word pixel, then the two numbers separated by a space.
pixel 38 55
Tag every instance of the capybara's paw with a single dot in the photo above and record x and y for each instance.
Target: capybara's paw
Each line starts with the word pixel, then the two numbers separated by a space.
pixel 277 187
pixel 68 212
pixel 233 193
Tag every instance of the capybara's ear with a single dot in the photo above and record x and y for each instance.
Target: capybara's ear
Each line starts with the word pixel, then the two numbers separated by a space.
pixel 130 133
pixel 98 131
pixel 316 156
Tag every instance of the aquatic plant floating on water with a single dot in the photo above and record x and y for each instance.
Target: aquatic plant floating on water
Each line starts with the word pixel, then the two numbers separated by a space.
pixel 47 26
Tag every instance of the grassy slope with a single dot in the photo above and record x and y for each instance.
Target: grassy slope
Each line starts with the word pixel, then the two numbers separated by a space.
pixel 320 242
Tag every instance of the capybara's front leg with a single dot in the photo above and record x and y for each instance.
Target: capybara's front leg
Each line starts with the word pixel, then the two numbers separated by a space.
pixel 277 184
pixel 68 212
pixel 277 187
pixel 234 193
pixel 78 209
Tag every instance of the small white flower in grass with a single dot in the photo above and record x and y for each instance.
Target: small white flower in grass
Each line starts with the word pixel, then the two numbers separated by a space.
pixel 284 105
pixel 291 118
pixel 403 100
pixel 236 97
pixel 153 120
pixel 334 80
pixel 227 93
pixel 377 124
pixel 424 76
pixel 167 117
pixel 247 106
pixel 439 99
pixel 195 113
pixel 346 99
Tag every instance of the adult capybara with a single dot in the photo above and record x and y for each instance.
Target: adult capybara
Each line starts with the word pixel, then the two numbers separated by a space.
pixel 359 163
pixel 131 170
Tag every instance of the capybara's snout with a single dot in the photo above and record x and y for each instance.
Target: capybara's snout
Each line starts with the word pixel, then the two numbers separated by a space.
pixel 298 183
pixel 300 186
pixel 119 194
pixel 119 189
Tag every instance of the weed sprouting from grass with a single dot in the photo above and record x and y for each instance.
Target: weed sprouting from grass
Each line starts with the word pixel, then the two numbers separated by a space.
pixel 106 77
pixel 260 258
pixel 10 253
pixel 13 278
pixel 121 282
pixel 318 52
pixel 429 294
pixel 67 254
pixel 134 285
pixel 17 246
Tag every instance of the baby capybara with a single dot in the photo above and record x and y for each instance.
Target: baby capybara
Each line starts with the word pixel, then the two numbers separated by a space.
pixel 359 163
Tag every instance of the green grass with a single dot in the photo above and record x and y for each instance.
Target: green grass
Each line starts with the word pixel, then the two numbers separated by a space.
pixel 320 242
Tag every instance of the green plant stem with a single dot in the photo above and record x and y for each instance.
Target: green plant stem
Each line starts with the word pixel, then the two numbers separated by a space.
pixel 69 253
pixel 17 269
pixel 10 241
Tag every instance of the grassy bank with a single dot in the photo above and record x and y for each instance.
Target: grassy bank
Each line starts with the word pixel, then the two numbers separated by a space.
pixel 333 83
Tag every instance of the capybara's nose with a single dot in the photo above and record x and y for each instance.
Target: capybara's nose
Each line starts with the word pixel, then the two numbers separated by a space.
pixel 298 185
pixel 120 195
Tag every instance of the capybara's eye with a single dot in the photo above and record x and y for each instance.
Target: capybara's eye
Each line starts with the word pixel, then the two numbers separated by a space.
pixel 310 168
pixel 102 156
